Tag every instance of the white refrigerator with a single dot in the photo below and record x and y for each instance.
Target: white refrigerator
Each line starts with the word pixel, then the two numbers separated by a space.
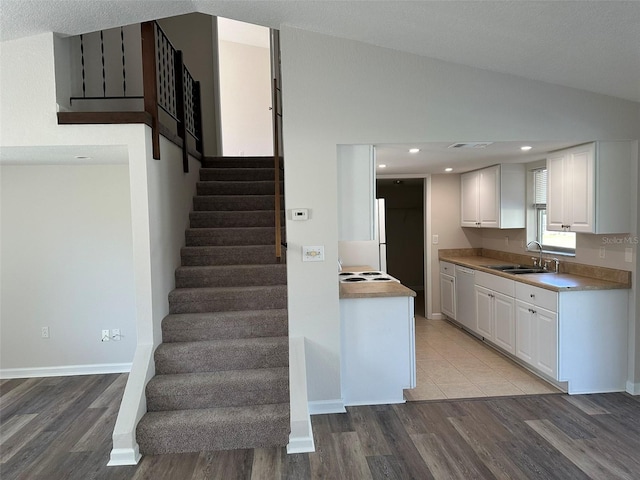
pixel 369 252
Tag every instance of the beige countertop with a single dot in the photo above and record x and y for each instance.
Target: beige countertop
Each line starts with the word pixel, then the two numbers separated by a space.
pixel 558 282
pixel 372 289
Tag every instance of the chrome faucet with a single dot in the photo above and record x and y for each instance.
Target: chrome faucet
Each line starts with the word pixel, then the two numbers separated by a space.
pixel 539 248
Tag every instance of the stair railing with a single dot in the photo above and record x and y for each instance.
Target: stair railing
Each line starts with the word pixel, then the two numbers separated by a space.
pixel 168 85
pixel 277 131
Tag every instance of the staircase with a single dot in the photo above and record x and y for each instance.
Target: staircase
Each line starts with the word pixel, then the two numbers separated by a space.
pixel 222 375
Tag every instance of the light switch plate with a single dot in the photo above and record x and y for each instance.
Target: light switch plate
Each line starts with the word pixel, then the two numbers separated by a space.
pixel 628 254
pixel 313 254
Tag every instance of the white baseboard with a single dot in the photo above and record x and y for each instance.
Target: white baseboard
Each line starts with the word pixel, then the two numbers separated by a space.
pixel 633 388
pixel 65 371
pixel 389 401
pixel 301 438
pixel 322 407
pixel 436 316
pixel 124 456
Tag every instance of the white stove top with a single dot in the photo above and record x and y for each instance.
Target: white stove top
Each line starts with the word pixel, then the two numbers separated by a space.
pixel 360 277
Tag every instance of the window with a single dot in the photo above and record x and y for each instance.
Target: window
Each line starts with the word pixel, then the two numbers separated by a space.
pixel 562 242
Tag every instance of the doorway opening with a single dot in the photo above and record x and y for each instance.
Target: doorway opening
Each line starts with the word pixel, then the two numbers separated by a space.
pixel 404 203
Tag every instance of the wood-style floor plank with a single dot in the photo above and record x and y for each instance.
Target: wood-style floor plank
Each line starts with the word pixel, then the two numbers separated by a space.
pixel 60 428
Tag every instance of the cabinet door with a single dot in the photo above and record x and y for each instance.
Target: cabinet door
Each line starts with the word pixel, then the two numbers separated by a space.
pixel 489 197
pixel 484 312
pixel 581 202
pixel 546 324
pixel 448 295
pixel 525 332
pixel 356 192
pixel 469 200
pixel 556 193
pixel 504 327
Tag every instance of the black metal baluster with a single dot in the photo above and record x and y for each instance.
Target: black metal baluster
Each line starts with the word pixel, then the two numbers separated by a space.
pixel 124 71
pixel 104 76
pixel 84 85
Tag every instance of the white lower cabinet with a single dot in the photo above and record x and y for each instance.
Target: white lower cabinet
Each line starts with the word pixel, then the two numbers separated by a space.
pixel 537 337
pixel 378 356
pixel 448 289
pixel 504 333
pixel 495 310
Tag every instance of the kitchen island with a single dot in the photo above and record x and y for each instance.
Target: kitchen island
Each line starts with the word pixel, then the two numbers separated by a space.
pixel 378 341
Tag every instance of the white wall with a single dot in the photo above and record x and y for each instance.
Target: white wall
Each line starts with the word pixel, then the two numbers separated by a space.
pixel 344 92
pixel 245 98
pixel 67 264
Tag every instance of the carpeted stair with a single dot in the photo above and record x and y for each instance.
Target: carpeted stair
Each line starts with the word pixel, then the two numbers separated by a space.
pixel 222 376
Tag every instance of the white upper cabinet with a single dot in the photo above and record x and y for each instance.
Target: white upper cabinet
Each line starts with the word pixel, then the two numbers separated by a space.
pixel 356 192
pixel 493 197
pixel 588 188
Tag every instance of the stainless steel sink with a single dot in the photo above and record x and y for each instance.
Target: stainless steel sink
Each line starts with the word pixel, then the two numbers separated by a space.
pixel 520 271
pixel 502 267
pixel 516 269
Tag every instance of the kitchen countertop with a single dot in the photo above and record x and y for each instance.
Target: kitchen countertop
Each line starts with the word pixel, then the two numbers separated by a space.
pixel 372 289
pixel 558 282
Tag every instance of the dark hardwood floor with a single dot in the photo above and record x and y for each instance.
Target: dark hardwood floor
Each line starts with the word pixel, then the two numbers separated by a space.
pixel 60 428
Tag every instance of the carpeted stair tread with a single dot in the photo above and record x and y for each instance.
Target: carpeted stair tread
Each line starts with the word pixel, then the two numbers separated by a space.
pixel 227 388
pixel 214 355
pixel 218 299
pixel 191 327
pixel 257 187
pixel 199 237
pixel 223 219
pixel 231 276
pixel 239 162
pixel 236 174
pixel 228 255
pixel 234 202
pixel 225 428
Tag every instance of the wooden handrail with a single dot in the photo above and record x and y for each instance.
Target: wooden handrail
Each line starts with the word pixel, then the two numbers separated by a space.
pixel 276 160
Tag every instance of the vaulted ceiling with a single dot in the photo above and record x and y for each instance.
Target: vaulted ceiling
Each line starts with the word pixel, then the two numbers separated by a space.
pixel 592 45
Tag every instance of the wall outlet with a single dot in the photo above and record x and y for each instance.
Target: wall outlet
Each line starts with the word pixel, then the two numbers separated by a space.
pixel 628 254
pixel 105 336
pixel 44 333
pixel 602 252
pixel 115 334
pixel 313 254
pixel 506 241
pixel 435 239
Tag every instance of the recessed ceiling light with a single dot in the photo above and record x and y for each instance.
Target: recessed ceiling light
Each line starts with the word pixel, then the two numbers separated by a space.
pixel 414 150
pixel 382 166
pixel 526 148
pixel 448 169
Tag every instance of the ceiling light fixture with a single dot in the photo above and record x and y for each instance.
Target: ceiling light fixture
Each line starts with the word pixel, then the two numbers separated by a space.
pixel 382 166
pixel 82 157
pixel 414 150
pixel 526 148
pixel 448 169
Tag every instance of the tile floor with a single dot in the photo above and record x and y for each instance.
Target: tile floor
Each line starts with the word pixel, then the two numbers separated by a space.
pixel 454 364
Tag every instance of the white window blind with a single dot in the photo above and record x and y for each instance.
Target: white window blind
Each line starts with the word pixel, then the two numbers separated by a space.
pixel 540 188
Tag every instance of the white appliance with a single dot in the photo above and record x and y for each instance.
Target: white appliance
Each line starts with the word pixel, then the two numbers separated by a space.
pixel 465 297
pixel 368 252
pixel 360 277
pixel 381 230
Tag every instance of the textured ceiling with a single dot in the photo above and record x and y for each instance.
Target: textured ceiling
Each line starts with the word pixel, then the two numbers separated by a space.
pixel 592 45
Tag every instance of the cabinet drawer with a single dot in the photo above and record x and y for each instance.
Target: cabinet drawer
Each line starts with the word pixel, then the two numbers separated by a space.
pixel 448 268
pixel 496 283
pixel 537 296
